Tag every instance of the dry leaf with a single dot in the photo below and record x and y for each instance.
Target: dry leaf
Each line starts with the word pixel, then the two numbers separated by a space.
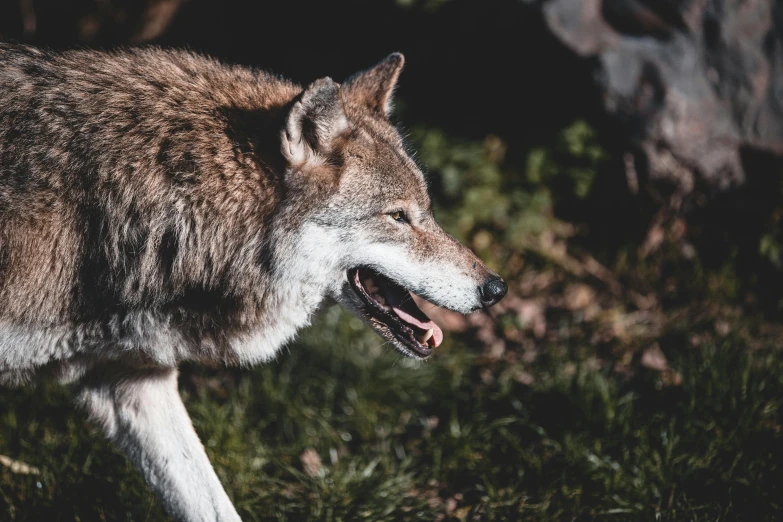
pixel 654 359
pixel 311 462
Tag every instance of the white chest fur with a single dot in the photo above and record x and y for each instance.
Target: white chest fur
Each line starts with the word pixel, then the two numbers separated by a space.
pixel 306 265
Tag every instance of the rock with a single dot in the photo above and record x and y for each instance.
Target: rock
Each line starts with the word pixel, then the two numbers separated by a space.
pixel 691 83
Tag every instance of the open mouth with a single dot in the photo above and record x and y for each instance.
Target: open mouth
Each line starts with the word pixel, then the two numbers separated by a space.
pixel 393 306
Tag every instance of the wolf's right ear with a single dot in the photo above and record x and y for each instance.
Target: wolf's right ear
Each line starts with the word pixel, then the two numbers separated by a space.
pixel 313 122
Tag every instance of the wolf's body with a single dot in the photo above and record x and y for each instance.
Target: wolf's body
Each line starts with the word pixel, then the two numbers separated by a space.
pixel 158 207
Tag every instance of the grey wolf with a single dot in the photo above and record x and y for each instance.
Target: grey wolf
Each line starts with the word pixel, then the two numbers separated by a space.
pixel 159 207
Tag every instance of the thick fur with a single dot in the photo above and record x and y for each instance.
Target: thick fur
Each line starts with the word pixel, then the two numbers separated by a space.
pixel 158 206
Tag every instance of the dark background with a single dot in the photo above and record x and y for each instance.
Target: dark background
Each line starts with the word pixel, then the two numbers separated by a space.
pixel 477 67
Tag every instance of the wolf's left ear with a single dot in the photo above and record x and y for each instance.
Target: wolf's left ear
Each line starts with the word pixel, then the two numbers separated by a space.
pixel 374 87
pixel 314 121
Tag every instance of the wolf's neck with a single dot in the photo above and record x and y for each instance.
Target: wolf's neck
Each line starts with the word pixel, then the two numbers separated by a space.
pixel 304 267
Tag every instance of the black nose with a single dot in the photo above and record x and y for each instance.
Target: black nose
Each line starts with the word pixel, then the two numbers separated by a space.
pixel 493 291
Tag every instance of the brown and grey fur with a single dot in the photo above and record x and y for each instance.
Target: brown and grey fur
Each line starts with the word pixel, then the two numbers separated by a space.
pixel 159 207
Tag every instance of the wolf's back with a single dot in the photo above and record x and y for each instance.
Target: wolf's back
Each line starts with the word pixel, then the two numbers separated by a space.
pixel 129 180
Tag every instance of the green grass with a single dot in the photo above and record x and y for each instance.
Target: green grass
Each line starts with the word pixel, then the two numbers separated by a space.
pixel 459 437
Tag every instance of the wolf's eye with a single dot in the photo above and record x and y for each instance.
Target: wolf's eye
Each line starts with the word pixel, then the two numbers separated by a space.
pixel 399 216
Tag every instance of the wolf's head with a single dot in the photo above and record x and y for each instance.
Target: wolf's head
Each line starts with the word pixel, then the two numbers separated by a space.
pixel 369 223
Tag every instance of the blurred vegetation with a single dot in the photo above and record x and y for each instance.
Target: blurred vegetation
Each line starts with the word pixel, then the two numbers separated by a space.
pixel 634 372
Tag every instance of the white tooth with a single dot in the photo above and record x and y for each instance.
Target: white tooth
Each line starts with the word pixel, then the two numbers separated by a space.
pixel 427 335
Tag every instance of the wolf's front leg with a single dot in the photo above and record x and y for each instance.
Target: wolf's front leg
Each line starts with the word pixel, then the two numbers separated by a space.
pixel 141 411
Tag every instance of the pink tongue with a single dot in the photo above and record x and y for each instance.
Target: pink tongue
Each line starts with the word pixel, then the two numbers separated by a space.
pixel 406 309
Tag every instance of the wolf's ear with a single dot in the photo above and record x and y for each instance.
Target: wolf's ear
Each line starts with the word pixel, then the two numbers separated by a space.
pixel 374 87
pixel 313 122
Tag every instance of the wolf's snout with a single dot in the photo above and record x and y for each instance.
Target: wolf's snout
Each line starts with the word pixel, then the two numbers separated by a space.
pixel 492 291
